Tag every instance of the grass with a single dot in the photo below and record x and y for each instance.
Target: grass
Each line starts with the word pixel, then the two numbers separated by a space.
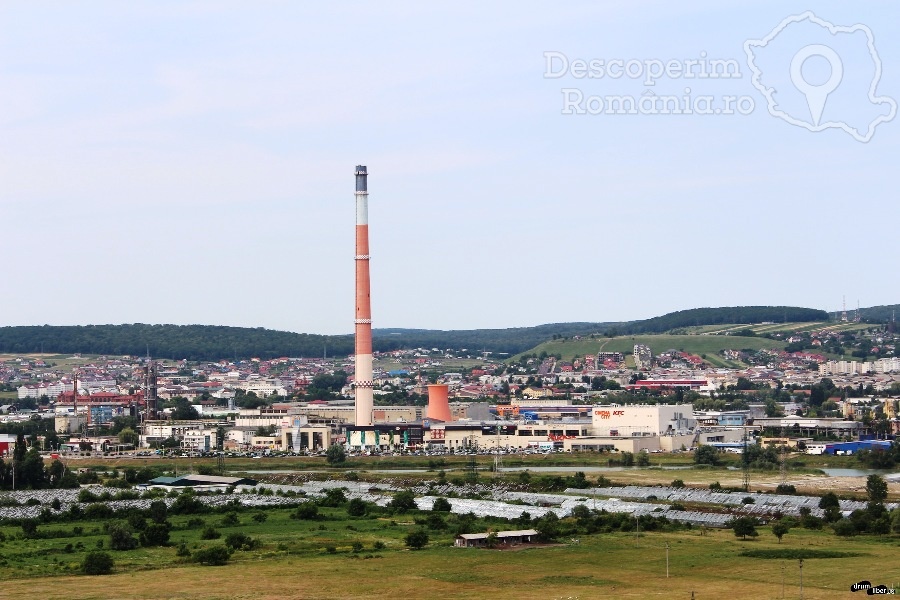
pixel 291 564
pixel 797 553
pixel 695 344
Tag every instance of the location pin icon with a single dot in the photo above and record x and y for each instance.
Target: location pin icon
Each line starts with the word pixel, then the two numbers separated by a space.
pixel 816 95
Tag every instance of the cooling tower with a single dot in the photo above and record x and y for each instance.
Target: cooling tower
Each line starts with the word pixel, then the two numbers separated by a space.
pixel 438 405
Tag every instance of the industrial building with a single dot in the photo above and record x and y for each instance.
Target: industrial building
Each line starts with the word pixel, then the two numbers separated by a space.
pixel 643 419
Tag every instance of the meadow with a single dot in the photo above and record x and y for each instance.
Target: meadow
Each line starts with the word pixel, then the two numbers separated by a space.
pixel 694 344
pixel 293 561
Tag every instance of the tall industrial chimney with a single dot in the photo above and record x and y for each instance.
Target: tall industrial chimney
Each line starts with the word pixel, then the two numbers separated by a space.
pixel 363 321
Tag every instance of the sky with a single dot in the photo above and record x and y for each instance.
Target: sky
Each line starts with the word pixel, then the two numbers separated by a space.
pixel 529 162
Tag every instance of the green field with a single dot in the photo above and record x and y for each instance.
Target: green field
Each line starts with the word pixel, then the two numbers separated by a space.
pixel 316 558
pixel 293 562
pixel 695 344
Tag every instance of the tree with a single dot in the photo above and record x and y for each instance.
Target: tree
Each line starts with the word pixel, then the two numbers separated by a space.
pixel 876 488
pixel 121 536
pixel 844 527
pixel 128 436
pixel 706 455
pixel 184 411
pixel 403 501
pixel 357 507
pixel 744 526
pixel 155 534
pixel 306 511
pixel 212 556
pixel 240 541
pixel 895 520
pixel 333 497
pixel 55 473
pixel 417 540
pixel 779 529
pixel 441 504
pixel 548 527
pixel 31 470
pixel 97 563
pixel 829 499
pixel 336 455
pixel 158 512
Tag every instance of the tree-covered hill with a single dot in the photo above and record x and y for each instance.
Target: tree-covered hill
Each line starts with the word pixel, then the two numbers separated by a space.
pixel 194 342
pixel 509 341
pixel 723 315
pixel 214 342
pixel 880 314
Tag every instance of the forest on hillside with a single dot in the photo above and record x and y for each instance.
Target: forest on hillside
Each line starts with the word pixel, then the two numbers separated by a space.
pixel 722 316
pixel 216 342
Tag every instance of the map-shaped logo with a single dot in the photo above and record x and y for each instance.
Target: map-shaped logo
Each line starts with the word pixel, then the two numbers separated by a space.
pixel 820 76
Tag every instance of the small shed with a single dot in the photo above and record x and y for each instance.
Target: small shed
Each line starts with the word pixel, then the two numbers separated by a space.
pixel 504 538
pixel 200 482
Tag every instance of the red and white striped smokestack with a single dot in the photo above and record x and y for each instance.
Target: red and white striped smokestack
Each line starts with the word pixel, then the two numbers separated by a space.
pixel 363 377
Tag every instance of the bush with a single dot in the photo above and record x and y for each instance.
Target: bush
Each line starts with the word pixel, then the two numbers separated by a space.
pixel 677 483
pixel 230 520
pixel 417 540
pixel 97 511
pixel 97 563
pixel 212 556
pixel 121 536
pixel 158 511
pixel 186 504
pixel 156 534
pixel 210 533
pixel 260 517
pixel 182 550
pixel 29 528
pixel 441 505
pixel 706 455
pixel 116 483
pixel 306 511
pixel 336 455
pixel 786 489
pixel 403 501
pixel 334 497
pixel 378 545
pixel 137 521
pixel 844 528
pixel 357 508
pixel 240 541
pixel 357 546
pixel 86 495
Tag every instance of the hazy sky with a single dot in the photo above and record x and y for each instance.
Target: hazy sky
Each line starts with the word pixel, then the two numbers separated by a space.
pixel 192 162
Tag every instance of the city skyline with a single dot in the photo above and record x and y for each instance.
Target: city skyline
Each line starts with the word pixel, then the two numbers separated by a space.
pixel 190 163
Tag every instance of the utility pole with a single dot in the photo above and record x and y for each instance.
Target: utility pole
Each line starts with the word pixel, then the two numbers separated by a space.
pixel 667 560
pixel 801 579
pixel 746 465
pixel 782 581
pixel 637 529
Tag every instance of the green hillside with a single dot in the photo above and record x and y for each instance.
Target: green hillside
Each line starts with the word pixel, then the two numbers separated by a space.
pixel 695 344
